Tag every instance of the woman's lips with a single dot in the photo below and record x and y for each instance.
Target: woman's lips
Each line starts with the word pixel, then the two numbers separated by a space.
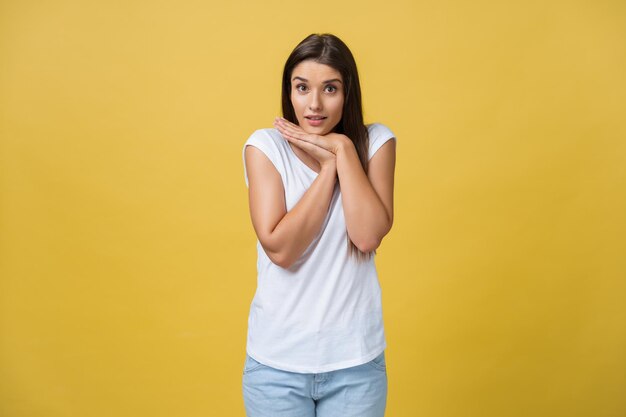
pixel 315 122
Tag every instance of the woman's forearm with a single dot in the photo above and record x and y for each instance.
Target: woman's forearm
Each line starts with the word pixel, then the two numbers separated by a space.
pixel 297 229
pixel 367 220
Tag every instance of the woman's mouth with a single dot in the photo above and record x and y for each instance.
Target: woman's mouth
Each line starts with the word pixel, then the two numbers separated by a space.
pixel 315 120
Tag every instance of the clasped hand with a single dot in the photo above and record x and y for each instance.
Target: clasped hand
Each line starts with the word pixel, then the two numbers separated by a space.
pixel 310 142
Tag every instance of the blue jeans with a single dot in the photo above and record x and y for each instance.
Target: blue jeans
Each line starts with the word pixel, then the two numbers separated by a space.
pixel 358 391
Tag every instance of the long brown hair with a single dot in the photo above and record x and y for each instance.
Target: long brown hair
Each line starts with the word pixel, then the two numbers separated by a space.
pixel 329 50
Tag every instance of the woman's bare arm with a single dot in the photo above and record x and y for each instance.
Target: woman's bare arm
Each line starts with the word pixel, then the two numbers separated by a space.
pixel 367 199
pixel 285 235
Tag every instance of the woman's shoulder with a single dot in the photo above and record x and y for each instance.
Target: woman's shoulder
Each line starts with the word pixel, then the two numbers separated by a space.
pixel 380 130
pixel 268 141
pixel 379 133
pixel 266 133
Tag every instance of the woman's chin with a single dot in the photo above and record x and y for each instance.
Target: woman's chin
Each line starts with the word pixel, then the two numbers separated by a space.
pixel 315 130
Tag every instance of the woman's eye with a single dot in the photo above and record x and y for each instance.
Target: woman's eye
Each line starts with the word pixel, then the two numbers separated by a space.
pixel 303 87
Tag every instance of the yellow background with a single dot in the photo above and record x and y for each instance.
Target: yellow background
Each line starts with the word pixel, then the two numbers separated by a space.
pixel 127 255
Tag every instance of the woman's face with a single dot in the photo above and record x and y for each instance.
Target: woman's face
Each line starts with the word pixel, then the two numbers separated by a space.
pixel 317 96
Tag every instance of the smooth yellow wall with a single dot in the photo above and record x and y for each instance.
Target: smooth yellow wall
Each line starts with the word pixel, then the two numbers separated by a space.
pixel 127 255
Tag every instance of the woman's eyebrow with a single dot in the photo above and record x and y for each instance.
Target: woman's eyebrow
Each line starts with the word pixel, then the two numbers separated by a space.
pixel 327 81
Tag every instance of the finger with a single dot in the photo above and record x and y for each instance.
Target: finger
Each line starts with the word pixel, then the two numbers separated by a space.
pixel 291 129
pixel 280 125
pixel 288 134
pixel 286 127
pixel 291 125
pixel 304 145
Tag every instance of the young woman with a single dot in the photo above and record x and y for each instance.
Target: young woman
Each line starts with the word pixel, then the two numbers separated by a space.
pixel 321 200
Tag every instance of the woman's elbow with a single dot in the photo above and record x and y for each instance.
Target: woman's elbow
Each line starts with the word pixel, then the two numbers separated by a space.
pixel 280 259
pixel 366 246
pixel 372 242
pixel 278 254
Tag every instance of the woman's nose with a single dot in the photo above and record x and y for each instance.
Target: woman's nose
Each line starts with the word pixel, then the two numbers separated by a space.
pixel 315 104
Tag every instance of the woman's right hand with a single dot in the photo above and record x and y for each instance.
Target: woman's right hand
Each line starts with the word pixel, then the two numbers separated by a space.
pixel 323 156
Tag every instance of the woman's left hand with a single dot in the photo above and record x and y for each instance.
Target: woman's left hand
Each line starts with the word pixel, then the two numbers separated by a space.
pixel 331 141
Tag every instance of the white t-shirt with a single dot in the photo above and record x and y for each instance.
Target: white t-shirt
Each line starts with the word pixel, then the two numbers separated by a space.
pixel 324 312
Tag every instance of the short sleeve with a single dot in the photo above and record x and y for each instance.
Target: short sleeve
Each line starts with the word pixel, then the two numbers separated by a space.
pixel 378 135
pixel 263 141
